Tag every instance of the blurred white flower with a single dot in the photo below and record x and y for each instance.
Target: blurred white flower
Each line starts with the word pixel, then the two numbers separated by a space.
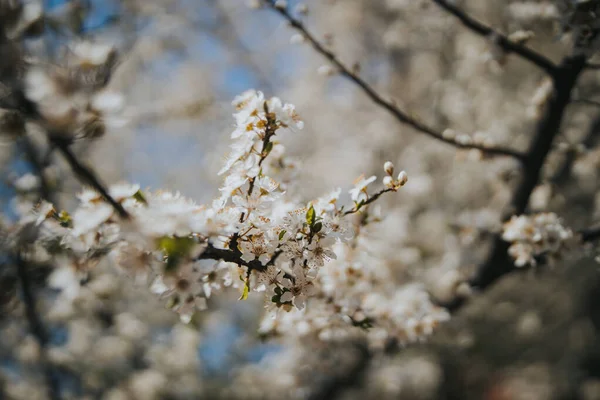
pixel 536 235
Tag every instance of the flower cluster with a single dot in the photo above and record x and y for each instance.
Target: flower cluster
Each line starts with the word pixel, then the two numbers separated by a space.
pixel 254 237
pixel 389 180
pixel 72 99
pixel 358 290
pixel 536 235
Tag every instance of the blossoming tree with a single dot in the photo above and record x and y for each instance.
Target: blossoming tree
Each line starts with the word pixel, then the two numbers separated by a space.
pixel 321 267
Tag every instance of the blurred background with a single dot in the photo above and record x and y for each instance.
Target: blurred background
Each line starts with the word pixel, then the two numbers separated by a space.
pixel 180 64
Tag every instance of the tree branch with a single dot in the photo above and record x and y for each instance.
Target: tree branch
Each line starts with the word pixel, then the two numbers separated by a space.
pixel 37 327
pixel 82 172
pixel 369 201
pixel 565 78
pixel 592 66
pixel 499 39
pixel 389 106
pixel 87 175
pixel 588 102
pixel 590 234
pixel 233 255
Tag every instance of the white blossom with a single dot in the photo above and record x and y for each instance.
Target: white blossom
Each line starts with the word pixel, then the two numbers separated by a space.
pixel 359 192
pixel 268 279
pixel 299 290
pixel 319 252
pixel 257 247
pixel 536 235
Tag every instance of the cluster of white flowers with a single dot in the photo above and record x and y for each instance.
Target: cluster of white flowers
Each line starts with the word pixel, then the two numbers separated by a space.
pixel 528 11
pixel 72 99
pixel 536 235
pixel 253 237
pixel 358 289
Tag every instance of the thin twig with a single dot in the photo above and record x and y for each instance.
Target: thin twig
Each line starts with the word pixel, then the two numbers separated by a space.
pixel 392 108
pixel 37 327
pixel 88 176
pixel 592 66
pixel 369 201
pixel 85 174
pixel 270 130
pixel 590 234
pixel 499 39
pixel 588 102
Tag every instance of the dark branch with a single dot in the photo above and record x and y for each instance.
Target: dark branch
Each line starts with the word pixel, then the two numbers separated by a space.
pixel 592 66
pixel 590 235
pixel 498 263
pixel 37 327
pixel 233 255
pixel 499 39
pixel 88 176
pixel 227 255
pixel 399 114
pixel 85 174
pixel 588 102
pixel 369 201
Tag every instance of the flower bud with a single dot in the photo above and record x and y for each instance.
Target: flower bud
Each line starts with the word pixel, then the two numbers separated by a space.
pixel 388 168
pixel 325 70
pixel 388 180
pixel 464 140
pixel 402 178
pixel 302 9
pixel 449 134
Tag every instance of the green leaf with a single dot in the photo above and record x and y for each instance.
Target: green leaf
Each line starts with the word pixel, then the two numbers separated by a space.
pixel 139 196
pixel 173 302
pixel 317 228
pixel 364 324
pixel 175 248
pixel 282 234
pixel 175 244
pixel 268 148
pixel 360 204
pixel 65 219
pixel 310 216
pixel 244 295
